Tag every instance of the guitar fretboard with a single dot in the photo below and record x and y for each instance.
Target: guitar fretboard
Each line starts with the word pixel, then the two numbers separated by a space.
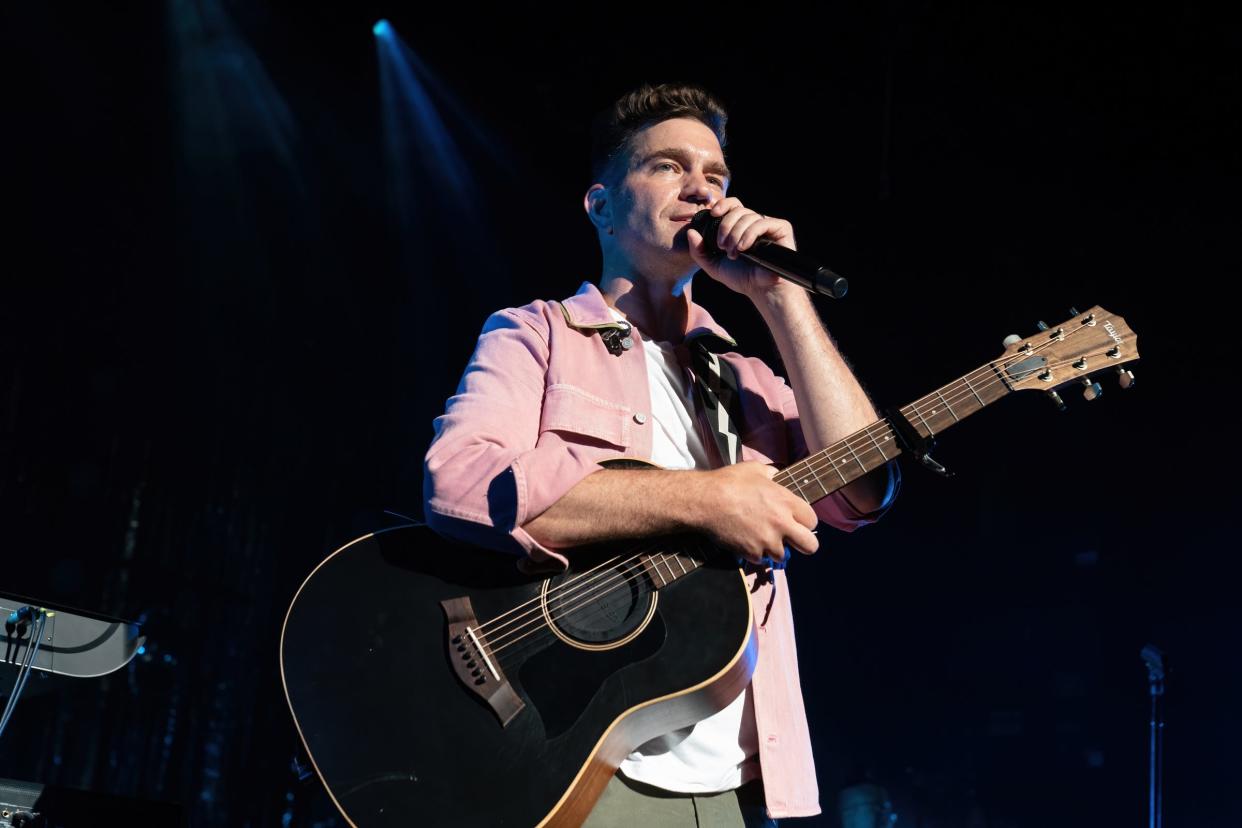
pixel 665 567
pixel 824 472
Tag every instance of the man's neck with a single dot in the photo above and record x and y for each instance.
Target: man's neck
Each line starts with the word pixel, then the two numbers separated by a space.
pixel 650 305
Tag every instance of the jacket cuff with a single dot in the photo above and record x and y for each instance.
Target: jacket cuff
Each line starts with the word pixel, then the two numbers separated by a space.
pixel 837 509
pixel 542 476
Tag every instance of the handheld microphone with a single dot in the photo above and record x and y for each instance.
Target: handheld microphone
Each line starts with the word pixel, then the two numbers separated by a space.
pixel 789 264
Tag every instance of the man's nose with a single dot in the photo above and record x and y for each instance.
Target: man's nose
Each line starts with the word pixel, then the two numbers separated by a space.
pixel 698 190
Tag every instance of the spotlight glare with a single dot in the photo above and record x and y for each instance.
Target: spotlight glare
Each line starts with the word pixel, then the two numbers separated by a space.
pixel 382 28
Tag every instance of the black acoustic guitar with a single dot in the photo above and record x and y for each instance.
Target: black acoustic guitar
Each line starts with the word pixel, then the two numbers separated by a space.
pixel 435 684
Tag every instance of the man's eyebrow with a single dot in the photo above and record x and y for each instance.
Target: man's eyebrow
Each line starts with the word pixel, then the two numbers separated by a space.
pixel 682 157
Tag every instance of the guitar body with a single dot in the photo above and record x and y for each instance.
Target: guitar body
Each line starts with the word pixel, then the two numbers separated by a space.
pixel 399 738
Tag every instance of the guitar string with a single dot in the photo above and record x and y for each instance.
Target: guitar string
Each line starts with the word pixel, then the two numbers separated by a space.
pixel 831 462
pixel 617 582
pixel 611 584
pixel 616 578
pixel 612 581
pixel 572 581
pixel 929 404
pixel 583 611
pixel 507 661
pixel 868 435
pixel 643 546
pixel 620 581
pixel 608 579
pixel 863 438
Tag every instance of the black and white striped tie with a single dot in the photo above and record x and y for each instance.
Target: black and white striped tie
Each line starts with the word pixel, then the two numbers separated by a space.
pixel 717 390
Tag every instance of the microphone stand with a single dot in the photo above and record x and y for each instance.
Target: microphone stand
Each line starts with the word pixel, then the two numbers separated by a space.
pixel 1154 660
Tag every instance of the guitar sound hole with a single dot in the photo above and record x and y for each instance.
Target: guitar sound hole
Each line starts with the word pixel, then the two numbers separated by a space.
pixel 602 606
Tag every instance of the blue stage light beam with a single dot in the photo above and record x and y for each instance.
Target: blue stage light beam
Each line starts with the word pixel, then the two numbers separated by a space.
pixel 228 105
pixel 414 131
pixel 436 195
pixel 471 123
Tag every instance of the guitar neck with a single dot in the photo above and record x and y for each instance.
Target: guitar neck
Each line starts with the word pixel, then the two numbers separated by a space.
pixel 1090 342
pixel 821 474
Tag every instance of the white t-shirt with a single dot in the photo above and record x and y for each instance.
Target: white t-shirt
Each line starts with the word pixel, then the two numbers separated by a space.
pixel 719 753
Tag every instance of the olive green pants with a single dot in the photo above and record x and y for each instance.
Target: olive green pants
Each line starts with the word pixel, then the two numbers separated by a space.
pixel 626 804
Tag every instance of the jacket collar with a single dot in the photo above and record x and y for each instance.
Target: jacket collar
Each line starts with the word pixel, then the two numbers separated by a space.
pixel 587 309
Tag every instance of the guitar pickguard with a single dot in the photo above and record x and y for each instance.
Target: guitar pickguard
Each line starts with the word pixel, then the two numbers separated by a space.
pixel 561 703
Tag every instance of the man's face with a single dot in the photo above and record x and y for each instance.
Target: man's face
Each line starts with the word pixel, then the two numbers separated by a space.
pixel 675 168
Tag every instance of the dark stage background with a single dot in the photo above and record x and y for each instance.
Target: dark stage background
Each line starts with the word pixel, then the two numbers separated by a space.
pixel 238 288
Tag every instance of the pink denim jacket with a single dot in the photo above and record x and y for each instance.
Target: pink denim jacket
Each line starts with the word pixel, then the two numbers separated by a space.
pixel 541 402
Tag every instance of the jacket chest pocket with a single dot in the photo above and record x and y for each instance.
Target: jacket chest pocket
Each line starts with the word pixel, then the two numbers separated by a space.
pixel 569 410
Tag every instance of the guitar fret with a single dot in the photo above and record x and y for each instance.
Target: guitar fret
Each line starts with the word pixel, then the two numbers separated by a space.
pixel 818 482
pixel 930 431
pixel 806 481
pixel 655 568
pixel 946 405
pixel 925 415
pixel 856 460
pixel 840 474
pixel 973 391
pixel 794 481
pixel 878 447
pixel 680 565
pixel 664 560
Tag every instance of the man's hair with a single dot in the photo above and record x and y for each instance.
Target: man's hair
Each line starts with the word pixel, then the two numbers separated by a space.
pixel 647 105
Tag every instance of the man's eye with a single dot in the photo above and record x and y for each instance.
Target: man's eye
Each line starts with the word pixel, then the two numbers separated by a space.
pixel 719 182
pixel 668 164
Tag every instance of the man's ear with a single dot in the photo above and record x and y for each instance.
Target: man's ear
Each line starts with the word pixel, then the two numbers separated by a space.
pixel 598 206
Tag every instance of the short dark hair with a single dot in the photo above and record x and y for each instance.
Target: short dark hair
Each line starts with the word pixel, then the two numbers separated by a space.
pixel 647 105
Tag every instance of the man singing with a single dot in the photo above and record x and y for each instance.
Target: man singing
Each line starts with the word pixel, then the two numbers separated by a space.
pixel 553 388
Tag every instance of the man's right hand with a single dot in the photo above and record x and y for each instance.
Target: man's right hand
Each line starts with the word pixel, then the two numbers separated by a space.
pixel 743 510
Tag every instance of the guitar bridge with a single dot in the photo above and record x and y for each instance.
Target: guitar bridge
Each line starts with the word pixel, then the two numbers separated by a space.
pixel 474 666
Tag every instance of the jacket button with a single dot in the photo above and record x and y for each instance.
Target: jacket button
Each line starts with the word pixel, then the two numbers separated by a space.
pixel 640 418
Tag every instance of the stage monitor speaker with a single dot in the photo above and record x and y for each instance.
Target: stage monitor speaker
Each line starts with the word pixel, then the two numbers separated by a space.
pixel 32 805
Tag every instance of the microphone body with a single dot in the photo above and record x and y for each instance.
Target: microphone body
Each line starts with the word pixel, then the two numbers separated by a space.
pixel 789 264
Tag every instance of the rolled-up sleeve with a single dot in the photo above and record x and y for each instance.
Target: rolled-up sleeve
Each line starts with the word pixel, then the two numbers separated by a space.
pixel 486 474
pixel 836 509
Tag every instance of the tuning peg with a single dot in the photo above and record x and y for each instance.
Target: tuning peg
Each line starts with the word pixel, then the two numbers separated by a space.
pixel 1091 390
pixel 1042 325
pixel 1012 339
pixel 1057 401
pixel 1125 378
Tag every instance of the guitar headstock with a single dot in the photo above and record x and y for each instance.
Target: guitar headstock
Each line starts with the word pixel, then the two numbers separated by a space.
pixel 1089 343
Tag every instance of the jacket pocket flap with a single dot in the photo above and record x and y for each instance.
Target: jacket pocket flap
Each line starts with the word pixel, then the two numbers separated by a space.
pixel 570 409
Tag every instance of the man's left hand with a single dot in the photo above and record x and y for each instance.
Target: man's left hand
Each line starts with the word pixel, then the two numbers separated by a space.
pixel 740 228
